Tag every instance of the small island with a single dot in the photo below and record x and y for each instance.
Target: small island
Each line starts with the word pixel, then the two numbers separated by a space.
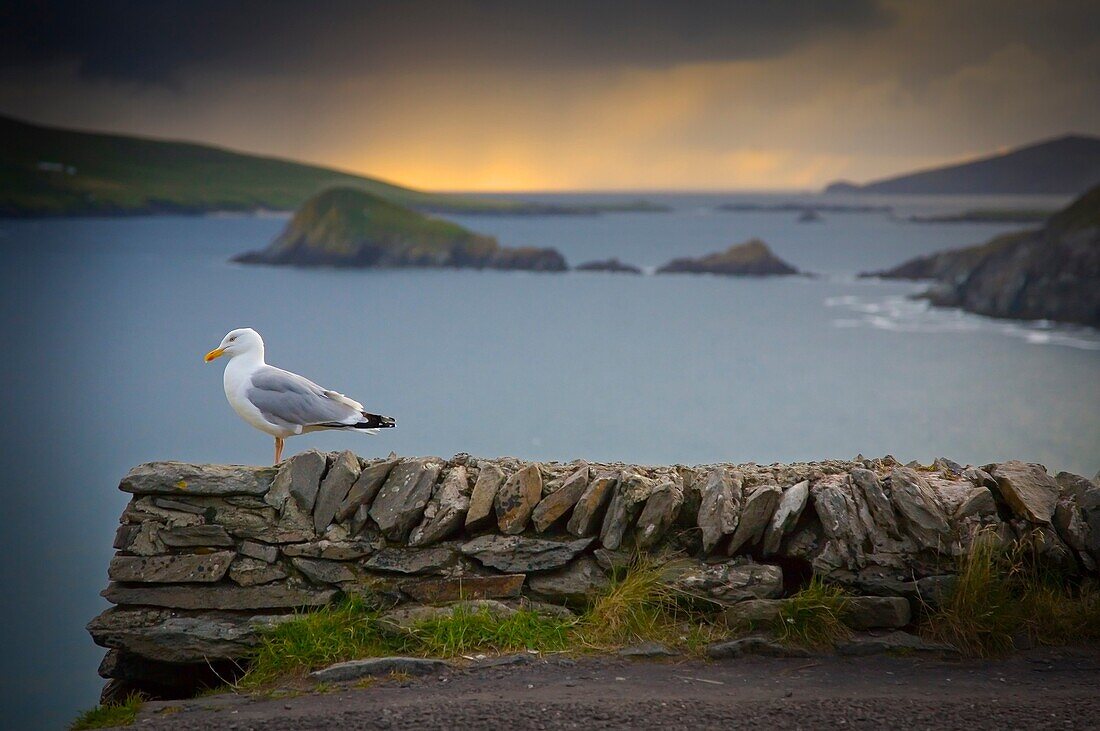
pixel 347 227
pixel 988 215
pixel 1051 273
pixel 752 258
pixel 608 265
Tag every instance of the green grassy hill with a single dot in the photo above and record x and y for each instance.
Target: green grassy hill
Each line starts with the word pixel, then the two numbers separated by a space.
pixel 45 171
pixel 349 227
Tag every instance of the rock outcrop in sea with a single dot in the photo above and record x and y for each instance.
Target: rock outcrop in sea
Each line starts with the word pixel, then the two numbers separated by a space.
pixel 1052 273
pixel 211 555
pixel 752 258
pixel 348 227
pixel 608 265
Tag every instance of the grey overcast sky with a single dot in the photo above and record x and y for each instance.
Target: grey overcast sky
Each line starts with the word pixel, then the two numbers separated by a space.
pixel 514 95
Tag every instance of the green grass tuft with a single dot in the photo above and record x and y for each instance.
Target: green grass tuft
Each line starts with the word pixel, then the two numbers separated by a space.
pixel 1003 593
pixel 476 630
pixel 640 605
pixel 813 618
pixel 339 632
pixel 110 715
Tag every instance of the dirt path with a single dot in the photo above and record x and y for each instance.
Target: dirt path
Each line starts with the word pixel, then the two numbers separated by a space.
pixel 1035 690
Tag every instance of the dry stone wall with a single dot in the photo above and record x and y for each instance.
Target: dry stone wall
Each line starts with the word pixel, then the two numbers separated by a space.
pixel 208 555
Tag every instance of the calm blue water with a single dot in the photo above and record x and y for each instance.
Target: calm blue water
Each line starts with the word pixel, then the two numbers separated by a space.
pixel 104 324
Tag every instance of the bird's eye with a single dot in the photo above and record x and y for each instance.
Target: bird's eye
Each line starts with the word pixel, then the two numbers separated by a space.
pixel 232 338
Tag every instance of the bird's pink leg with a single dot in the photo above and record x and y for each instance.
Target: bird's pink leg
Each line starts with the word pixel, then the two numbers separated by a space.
pixel 278 449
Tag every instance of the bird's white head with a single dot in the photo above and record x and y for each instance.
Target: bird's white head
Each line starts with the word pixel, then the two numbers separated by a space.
pixel 242 341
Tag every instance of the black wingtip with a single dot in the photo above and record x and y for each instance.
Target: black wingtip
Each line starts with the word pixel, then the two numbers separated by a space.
pixel 375 421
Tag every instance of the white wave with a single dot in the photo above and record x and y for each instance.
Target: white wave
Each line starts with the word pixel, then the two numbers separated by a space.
pixel 901 314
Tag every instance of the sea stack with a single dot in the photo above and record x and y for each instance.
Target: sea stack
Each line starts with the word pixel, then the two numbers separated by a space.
pixel 752 258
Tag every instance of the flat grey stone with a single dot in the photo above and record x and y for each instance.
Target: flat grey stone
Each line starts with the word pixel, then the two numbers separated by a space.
pixel 300 477
pixel 554 506
pixel 786 515
pixel 725 583
pixel 182 506
pixel 661 511
pixel 400 503
pixel 755 612
pixel 574 584
pixel 646 649
pixel 500 586
pixel 332 550
pixel 861 646
pixel 924 517
pixel 516 499
pixel 502 661
pixel 589 510
pixel 376 666
pixel 752 645
pixel 320 571
pixel 978 502
pixel 756 514
pixel 253 572
pixel 445 512
pixel 883 516
pixel 195 536
pixel 171 569
pixel 626 504
pixel 334 488
pixel 180 478
pixel 876 612
pixel 481 514
pixel 517 554
pixel 181 637
pixel 1028 489
pixel 218 596
pixel 362 493
pixel 434 560
pixel 719 506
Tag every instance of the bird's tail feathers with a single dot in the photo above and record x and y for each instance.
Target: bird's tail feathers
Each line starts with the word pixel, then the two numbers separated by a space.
pixel 374 422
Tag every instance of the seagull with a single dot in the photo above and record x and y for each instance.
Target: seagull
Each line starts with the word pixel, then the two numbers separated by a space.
pixel 281 403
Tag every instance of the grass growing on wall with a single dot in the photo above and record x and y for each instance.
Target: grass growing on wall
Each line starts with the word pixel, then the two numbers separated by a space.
pixel 1003 593
pixel 814 617
pixel 637 606
pixel 480 630
pixel 999 596
pixel 109 715
pixel 338 632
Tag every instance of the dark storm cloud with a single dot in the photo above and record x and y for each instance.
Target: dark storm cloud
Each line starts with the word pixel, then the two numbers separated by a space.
pixel 157 42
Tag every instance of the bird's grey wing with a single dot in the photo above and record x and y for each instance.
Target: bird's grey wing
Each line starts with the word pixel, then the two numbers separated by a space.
pixel 287 399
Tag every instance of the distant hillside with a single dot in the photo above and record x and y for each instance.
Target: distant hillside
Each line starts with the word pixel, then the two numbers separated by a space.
pixel 46 171
pixel 1052 273
pixel 352 228
pixel 1064 166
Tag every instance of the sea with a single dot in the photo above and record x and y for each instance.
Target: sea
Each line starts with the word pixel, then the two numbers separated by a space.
pixel 105 322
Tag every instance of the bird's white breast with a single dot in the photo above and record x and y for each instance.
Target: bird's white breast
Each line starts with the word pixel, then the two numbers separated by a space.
pixel 237 380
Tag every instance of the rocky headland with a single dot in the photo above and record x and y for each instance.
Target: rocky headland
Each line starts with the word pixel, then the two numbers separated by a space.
pixel 608 265
pixel 1061 166
pixel 752 258
pixel 1050 273
pixel 211 556
pixel 347 227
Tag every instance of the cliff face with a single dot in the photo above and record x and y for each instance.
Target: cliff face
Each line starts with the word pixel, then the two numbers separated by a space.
pixel 750 258
pixel 351 228
pixel 211 555
pixel 1052 273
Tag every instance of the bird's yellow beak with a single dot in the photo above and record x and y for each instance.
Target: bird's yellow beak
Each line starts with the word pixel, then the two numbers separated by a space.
pixel 215 353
